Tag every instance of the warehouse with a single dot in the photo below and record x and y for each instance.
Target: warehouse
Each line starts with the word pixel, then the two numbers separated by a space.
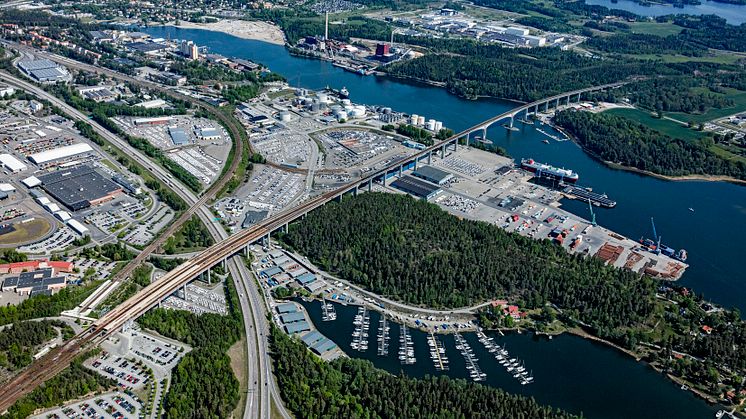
pixel 11 163
pixel 297 327
pixel 160 120
pixel 416 187
pixel 286 308
pixel 208 133
pixel 178 136
pixel 77 226
pixel 43 70
pixel 433 175
pixel 292 317
pixel 60 153
pixel 79 187
pixel 306 278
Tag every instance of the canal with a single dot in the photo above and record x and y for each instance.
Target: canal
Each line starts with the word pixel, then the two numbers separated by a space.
pixel 570 372
pixel 713 233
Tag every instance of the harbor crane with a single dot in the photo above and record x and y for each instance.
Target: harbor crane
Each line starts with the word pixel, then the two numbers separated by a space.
pixel 593 214
pixel 656 237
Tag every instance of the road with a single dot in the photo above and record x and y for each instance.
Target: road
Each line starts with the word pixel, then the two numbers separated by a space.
pixel 257 395
pixel 149 296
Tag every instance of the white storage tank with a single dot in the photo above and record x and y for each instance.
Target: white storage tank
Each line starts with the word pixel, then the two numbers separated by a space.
pixel 431 124
pixel 438 126
pixel 346 102
pixel 420 120
pixel 413 119
pixel 285 116
pixel 323 97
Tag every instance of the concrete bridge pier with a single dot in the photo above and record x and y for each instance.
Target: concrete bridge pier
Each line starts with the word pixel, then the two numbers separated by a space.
pixel 400 169
pixel 484 133
pixel 511 121
pixel 285 228
pixel 246 251
pixel 429 157
pixel 546 106
pixel 209 275
pixel 568 100
pixel 556 105
pixel 536 109
pixel 443 151
pixel 370 185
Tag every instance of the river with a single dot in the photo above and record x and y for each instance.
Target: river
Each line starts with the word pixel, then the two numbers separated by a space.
pixel 571 373
pixel 713 234
pixel 734 14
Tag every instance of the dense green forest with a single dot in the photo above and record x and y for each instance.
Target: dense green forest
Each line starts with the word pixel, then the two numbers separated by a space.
pixel 413 251
pixel 671 94
pixel 353 388
pixel 622 141
pixel 192 235
pixel 19 341
pixel 203 384
pixel 73 382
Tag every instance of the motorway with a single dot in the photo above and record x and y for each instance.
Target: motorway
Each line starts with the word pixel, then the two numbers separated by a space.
pixel 148 297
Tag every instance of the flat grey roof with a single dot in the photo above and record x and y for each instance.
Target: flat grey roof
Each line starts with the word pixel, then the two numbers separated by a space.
pixel 415 186
pixel 287 308
pixel 312 337
pixel 178 136
pixel 432 174
pixel 271 271
pixel 31 65
pixel 292 317
pixel 76 187
pixel 297 327
pixel 306 278
pixel 323 345
pixel 41 278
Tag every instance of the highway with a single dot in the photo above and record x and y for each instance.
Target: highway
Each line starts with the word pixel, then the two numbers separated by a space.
pixel 149 296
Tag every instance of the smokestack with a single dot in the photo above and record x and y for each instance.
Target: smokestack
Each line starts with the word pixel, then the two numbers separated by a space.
pixel 326 28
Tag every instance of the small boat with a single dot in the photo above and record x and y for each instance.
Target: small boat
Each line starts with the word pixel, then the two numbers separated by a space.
pixel 545 141
pixel 684 387
pixel 691 209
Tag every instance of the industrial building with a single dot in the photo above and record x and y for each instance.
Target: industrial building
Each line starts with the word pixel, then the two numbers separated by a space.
pixel 178 136
pixel 159 120
pixel 433 175
pixel 147 48
pixel 44 71
pixel 208 133
pixel 41 281
pixel 11 163
pixel 34 265
pixel 79 187
pixel 77 226
pixel 127 184
pixel 60 153
pixel 297 327
pixel 317 342
pixel 287 308
pixel 416 187
pixel 150 104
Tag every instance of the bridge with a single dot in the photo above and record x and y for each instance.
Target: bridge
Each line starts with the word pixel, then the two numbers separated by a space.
pixel 150 296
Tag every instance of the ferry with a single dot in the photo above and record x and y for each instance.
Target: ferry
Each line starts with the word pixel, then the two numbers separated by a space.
pixel 547 171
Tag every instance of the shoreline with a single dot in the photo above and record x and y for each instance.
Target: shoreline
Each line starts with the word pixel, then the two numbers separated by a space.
pixel 256 30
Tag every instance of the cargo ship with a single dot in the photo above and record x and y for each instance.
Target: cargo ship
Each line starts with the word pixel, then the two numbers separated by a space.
pixel 656 248
pixel 549 172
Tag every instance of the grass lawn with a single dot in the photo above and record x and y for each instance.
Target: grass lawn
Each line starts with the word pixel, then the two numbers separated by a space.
pixel 713 57
pixel 663 125
pixel 655 28
pixel 738 96
pixel 726 154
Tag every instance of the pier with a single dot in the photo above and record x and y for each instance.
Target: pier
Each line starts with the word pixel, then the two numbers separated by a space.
pixel 383 336
pixel 475 372
pixel 406 348
pixel 360 335
pixel 584 194
pixel 437 352
pixel 513 366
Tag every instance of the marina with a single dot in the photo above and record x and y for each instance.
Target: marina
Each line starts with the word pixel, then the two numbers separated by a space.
pixel 472 367
pixel 329 313
pixel 570 372
pixel 360 334
pixel 437 353
pixel 383 336
pixel 513 366
pixel 406 347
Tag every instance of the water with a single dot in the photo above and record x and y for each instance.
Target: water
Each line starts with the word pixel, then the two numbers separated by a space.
pixel 733 13
pixel 713 234
pixel 570 372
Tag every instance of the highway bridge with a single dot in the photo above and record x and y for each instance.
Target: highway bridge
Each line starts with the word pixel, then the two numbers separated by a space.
pixel 150 296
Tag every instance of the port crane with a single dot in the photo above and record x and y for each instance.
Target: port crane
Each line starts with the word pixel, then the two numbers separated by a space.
pixel 656 237
pixel 593 214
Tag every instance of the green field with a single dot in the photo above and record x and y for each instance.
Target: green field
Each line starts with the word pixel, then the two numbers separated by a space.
pixel 655 28
pixel 714 57
pixel 665 126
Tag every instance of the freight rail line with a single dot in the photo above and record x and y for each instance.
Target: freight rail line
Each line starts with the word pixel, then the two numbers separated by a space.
pixel 58 359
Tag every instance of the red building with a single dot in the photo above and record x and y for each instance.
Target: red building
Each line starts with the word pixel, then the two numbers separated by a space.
pixel 382 49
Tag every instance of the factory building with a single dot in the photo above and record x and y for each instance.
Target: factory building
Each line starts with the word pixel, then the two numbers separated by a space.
pixel 77 226
pixel 11 163
pixel 433 175
pixel 208 133
pixel 43 71
pixel 37 282
pixel 159 120
pixel 79 187
pixel 60 153
pixel 416 187
pixel 151 104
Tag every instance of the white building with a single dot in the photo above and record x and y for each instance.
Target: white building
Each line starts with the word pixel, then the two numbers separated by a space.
pixel 514 30
pixel 77 226
pixel 11 163
pixel 60 153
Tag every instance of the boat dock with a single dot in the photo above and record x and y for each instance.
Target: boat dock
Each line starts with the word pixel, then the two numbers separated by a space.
pixel 437 353
pixel 360 335
pixel 584 194
pixel 327 311
pixel 513 366
pixel 383 336
pixel 475 372
pixel 406 347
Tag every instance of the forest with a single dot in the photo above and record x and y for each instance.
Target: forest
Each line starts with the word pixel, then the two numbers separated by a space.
pixel 46 305
pixel 354 388
pixel 413 251
pixel 626 142
pixel 192 235
pixel 19 342
pixel 203 384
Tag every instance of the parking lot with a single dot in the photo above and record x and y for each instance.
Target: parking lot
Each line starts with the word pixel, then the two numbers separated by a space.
pixel 125 372
pixel 199 300
pixel 271 189
pixel 155 351
pixel 347 148
pixel 117 405
pixel 100 268
pixel 203 166
pixel 283 146
pixel 59 240
pixel 145 230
